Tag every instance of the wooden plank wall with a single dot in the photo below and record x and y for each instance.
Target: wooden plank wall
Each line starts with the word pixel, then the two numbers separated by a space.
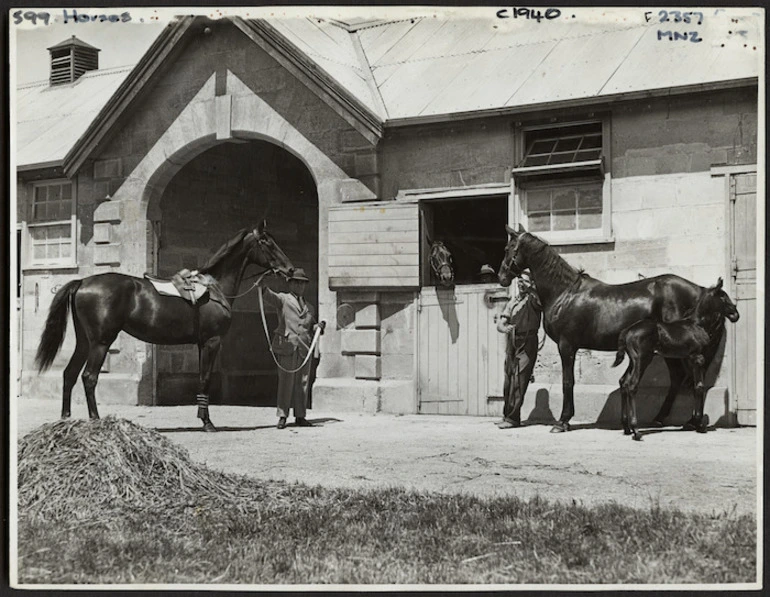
pixel 376 245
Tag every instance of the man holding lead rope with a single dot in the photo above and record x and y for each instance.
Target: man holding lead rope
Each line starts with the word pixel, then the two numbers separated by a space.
pixel 292 340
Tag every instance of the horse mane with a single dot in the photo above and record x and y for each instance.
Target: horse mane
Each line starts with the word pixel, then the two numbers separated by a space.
pixel 224 251
pixel 551 263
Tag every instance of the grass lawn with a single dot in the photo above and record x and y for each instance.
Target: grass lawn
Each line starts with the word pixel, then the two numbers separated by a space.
pixel 112 502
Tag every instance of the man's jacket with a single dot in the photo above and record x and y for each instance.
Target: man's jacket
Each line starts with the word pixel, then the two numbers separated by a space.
pixel 296 322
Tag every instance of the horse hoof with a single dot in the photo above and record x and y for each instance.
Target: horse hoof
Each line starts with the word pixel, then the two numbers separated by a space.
pixel 65 416
pixel 637 437
pixel 208 427
pixel 560 428
pixel 626 432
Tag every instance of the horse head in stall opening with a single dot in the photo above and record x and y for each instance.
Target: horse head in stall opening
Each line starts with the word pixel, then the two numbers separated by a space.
pixel 441 264
pixel 582 312
pixel 104 304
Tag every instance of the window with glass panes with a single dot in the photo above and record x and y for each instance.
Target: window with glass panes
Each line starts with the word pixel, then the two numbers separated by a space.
pixel 51 224
pixel 560 180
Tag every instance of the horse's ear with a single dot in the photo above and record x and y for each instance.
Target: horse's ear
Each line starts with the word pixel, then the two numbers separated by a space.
pixel 719 284
pixel 521 228
pixel 511 231
pixel 262 226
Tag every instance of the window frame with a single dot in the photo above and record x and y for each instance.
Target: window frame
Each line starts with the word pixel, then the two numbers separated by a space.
pixel 536 177
pixel 29 225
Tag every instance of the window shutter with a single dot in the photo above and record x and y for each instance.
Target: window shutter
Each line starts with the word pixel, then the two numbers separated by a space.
pixel 374 245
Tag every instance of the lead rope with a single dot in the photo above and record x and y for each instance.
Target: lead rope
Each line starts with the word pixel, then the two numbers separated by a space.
pixel 270 344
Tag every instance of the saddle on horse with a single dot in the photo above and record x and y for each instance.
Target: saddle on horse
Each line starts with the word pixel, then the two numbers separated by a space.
pixel 191 286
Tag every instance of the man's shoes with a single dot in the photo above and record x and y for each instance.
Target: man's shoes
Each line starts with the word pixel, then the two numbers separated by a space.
pixel 282 423
pixel 302 422
pixel 508 424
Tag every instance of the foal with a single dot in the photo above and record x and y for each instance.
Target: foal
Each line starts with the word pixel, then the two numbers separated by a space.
pixel 689 338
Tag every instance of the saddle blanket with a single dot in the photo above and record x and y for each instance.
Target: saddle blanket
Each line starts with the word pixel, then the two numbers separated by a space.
pixel 191 286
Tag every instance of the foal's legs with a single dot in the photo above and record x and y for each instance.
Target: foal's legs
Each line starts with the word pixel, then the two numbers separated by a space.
pixel 700 421
pixel 567 354
pixel 677 374
pixel 640 360
pixel 207 355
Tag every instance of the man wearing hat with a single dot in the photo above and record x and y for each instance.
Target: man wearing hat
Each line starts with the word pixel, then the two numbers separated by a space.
pixel 291 343
pixel 520 321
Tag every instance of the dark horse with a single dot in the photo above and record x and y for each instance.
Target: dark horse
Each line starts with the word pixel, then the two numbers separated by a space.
pixel 582 312
pixel 441 264
pixel 688 339
pixel 104 304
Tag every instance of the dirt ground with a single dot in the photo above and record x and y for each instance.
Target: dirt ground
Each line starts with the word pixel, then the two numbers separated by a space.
pixel 710 472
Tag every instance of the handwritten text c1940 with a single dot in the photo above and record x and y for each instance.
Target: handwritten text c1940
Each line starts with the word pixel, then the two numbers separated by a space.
pixel 528 13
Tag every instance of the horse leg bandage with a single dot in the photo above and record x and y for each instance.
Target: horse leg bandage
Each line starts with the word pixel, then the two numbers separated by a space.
pixel 203 406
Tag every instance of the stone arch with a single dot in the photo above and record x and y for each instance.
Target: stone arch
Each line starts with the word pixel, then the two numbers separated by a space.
pixel 207 120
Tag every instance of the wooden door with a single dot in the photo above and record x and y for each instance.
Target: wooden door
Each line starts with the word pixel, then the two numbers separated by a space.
pixel 460 353
pixel 743 203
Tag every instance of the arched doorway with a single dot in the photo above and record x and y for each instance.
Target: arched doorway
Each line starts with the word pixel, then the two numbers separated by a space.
pixel 220 191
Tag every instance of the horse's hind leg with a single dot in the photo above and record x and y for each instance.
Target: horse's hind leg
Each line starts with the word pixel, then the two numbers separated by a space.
pixel 624 398
pixel 96 355
pixel 207 355
pixel 677 374
pixel 71 372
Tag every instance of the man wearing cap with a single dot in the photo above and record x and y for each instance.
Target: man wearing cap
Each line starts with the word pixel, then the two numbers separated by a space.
pixel 291 343
pixel 487 275
pixel 520 321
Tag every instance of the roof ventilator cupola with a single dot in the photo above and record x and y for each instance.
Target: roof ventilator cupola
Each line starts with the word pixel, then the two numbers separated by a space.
pixel 71 59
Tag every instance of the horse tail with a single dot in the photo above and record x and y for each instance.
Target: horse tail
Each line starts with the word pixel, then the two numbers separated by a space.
pixel 55 326
pixel 621 349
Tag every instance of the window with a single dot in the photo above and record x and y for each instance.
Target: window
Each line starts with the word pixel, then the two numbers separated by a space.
pixel 51 225
pixel 561 188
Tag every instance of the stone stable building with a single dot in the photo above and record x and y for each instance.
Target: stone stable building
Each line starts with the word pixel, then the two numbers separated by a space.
pixel 360 142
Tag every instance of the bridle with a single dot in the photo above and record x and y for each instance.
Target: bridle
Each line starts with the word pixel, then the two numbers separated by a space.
pixel 260 241
pixel 439 259
pixel 509 261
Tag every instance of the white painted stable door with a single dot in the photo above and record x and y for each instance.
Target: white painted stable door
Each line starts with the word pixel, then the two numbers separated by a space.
pixel 460 354
pixel 743 202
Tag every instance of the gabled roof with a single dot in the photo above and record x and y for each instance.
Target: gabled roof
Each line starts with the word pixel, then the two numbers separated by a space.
pixel 377 73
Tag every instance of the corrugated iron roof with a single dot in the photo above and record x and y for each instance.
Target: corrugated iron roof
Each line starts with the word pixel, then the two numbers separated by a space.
pixel 441 65
pixel 51 119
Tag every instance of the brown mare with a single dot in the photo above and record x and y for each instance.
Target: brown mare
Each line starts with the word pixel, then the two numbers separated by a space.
pixel 688 339
pixel 104 304
pixel 582 312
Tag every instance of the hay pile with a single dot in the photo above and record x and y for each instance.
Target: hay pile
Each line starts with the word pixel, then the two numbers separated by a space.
pixel 76 468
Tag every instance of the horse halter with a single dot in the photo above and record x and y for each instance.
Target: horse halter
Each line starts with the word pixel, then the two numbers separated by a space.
pixel 509 261
pixel 440 258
